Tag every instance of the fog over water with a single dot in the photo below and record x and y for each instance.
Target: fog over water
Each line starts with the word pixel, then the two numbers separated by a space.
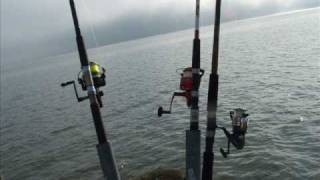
pixel 40 28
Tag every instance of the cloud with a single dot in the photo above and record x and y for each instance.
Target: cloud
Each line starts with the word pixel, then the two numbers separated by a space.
pixel 36 28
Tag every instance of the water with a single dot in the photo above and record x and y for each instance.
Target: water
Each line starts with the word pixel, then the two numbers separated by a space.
pixel 268 65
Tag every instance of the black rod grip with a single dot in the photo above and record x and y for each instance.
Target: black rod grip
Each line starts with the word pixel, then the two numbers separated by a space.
pixel 207 169
pixel 194 125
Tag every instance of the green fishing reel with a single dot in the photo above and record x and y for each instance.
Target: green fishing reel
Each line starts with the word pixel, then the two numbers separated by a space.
pixel 98 77
pixel 240 120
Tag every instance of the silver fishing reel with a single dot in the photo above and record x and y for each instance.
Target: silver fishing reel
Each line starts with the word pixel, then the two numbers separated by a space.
pixel 239 119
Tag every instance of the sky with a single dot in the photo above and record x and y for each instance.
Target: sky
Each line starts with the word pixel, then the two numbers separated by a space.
pixel 40 28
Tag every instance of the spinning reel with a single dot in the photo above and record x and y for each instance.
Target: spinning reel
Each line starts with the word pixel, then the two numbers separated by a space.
pixel 98 76
pixel 239 120
pixel 185 86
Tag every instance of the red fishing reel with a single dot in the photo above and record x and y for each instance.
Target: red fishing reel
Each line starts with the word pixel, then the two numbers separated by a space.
pixel 186 79
pixel 186 87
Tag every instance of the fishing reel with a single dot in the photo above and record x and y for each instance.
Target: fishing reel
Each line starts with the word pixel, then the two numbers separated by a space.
pixel 98 77
pixel 185 86
pixel 239 119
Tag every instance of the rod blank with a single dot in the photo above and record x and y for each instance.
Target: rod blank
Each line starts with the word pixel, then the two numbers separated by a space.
pixel 208 156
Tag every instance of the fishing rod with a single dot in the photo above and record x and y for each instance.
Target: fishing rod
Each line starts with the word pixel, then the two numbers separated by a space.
pixel 189 84
pixel 193 135
pixel 238 116
pixel 91 78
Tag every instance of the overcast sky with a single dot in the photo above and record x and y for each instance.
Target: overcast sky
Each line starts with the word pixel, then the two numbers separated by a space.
pixel 38 28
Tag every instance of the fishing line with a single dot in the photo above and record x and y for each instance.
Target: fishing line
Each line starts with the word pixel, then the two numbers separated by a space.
pixel 91 25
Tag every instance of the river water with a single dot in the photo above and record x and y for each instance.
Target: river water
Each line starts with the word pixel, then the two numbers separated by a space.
pixel 268 65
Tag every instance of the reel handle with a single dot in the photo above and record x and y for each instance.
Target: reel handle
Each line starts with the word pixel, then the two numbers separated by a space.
pixel 224 154
pixel 161 111
pixel 67 83
pixel 229 136
pixel 82 98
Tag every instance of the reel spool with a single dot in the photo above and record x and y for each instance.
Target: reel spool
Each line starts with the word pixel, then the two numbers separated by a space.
pixel 186 79
pixel 98 76
pixel 186 88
